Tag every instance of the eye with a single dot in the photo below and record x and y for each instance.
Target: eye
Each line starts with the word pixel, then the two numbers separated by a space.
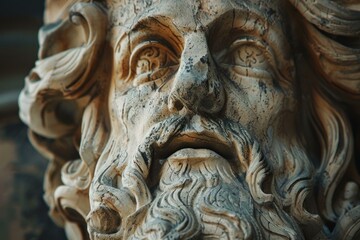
pixel 248 57
pixel 151 61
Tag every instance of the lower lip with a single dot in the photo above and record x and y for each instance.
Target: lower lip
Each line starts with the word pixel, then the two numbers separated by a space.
pixel 193 155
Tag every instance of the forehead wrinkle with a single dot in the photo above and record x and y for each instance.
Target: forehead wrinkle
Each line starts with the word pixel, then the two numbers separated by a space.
pixel 179 13
pixel 206 15
pixel 191 15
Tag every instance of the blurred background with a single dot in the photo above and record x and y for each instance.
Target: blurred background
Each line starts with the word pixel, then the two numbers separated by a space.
pixel 23 212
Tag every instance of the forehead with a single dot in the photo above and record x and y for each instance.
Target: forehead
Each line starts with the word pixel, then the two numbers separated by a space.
pixel 190 14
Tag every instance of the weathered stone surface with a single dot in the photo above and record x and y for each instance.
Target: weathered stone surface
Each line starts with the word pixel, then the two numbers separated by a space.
pixel 199 119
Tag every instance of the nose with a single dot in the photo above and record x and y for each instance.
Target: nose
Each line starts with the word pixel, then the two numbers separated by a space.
pixel 196 86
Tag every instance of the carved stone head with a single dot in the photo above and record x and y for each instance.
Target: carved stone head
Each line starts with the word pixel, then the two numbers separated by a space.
pixel 199 119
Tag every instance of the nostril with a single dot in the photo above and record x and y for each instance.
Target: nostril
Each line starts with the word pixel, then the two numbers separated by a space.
pixel 175 104
pixel 178 105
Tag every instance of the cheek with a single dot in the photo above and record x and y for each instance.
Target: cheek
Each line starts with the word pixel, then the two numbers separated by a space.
pixel 130 107
pixel 255 105
pixel 139 108
pixel 267 106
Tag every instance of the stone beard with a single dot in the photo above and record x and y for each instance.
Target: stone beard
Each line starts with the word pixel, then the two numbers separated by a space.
pixel 210 188
pixel 187 120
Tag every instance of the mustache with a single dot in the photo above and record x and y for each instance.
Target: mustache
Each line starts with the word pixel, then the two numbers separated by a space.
pixel 188 131
pixel 221 135
pixel 195 131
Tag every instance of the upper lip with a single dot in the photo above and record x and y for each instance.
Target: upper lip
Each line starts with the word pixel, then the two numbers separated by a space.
pixel 197 140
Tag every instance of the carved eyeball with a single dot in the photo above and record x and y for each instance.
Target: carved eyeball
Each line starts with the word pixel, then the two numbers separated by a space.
pixel 151 61
pixel 104 220
pixel 248 57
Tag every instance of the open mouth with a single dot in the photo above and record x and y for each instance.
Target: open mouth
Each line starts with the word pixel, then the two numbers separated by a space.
pixel 184 142
pixel 204 140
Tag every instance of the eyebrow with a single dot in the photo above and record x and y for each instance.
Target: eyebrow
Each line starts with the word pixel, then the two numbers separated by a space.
pixel 160 26
pixel 150 21
pixel 244 20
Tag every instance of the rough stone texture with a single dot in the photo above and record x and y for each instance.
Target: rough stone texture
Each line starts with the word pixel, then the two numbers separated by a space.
pixel 199 119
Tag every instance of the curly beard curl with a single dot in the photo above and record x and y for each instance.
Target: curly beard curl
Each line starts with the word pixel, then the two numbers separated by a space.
pixel 202 199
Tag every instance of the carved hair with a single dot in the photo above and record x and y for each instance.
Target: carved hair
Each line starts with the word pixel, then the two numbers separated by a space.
pixel 58 93
pixel 65 87
pixel 331 93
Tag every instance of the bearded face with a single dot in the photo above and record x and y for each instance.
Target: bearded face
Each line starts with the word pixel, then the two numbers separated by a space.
pixel 192 110
pixel 187 120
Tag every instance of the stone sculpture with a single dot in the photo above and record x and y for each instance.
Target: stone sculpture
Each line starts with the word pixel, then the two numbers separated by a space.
pixel 199 119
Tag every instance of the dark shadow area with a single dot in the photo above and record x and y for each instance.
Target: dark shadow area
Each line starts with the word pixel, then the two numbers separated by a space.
pixel 23 212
